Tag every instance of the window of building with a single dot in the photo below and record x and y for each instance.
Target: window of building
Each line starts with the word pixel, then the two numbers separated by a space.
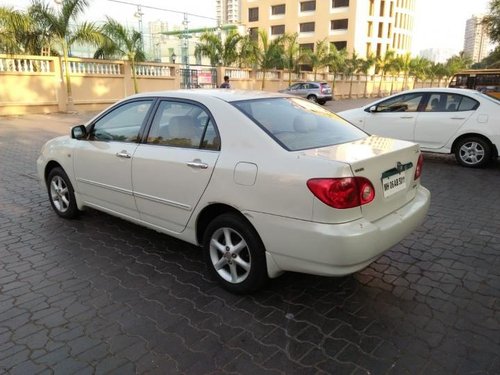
pixel 339 24
pixel 372 8
pixel 306 47
pixel 277 29
pixel 254 33
pixel 368 49
pixel 391 11
pixel 339 45
pixel 307 27
pixel 253 14
pixel 389 30
pixel 340 3
pixel 382 8
pixel 380 29
pixel 307 6
pixel 278 9
pixel 379 49
pixel 370 29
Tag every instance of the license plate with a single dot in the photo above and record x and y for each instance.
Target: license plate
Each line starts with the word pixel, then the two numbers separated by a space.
pixel 392 184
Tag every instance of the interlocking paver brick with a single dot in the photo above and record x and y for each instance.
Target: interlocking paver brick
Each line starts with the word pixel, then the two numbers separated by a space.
pixel 101 295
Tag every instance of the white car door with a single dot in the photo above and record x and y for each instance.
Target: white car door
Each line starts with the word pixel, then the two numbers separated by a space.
pixel 172 169
pixel 395 117
pixel 442 118
pixel 103 161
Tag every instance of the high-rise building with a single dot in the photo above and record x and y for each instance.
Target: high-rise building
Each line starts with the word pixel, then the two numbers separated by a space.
pixel 438 55
pixel 228 11
pixel 365 26
pixel 476 40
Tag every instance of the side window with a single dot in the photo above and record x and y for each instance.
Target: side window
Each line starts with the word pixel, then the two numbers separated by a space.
pixel 468 104
pixel 453 102
pixel 122 124
pixel 401 103
pixel 186 125
pixel 435 103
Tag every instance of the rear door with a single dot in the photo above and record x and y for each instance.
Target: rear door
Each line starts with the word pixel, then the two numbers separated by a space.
pixel 172 169
pixel 442 117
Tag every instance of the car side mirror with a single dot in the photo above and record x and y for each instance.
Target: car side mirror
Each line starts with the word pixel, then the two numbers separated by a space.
pixel 373 109
pixel 78 132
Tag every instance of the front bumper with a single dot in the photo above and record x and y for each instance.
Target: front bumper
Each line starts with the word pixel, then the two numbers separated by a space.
pixel 335 249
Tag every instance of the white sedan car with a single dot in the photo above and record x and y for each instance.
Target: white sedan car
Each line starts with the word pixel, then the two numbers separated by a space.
pixel 265 183
pixel 442 120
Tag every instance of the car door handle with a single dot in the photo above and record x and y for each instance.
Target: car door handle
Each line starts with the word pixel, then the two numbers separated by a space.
pixel 458 118
pixel 406 116
pixel 197 164
pixel 123 154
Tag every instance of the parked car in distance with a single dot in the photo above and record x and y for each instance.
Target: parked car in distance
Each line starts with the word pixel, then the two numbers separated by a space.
pixel 264 183
pixel 443 120
pixel 318 92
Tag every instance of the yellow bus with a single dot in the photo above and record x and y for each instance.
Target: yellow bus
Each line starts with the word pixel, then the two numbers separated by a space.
pixel 484 80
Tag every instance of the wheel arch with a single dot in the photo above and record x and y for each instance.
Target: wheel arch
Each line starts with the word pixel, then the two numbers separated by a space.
pixel 49 167
pixel 474 135
pixel 210 212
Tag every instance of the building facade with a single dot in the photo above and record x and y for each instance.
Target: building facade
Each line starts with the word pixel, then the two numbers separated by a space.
pixel 228 11
pixel 365 26
pixel 476 40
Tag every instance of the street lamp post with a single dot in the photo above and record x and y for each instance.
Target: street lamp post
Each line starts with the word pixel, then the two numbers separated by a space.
pixel 138 14
pixel 172 57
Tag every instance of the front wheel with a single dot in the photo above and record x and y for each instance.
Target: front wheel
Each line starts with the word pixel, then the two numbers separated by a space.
pixel 234 254
pixel 61 194
pixel 473 152
pixel 312 98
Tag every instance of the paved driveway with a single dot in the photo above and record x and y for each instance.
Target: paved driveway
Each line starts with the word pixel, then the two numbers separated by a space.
pixel 100 295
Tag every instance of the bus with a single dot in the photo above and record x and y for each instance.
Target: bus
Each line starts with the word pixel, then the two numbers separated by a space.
pixel 484 80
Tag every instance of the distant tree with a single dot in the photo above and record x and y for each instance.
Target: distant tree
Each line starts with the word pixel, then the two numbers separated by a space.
pixel 219 51
pixel 364 67
pixel 292 54
pixel 492 21
pixel 403 65
pixel 336 61
pixel 20 33
pixel 269 54
pixel 58 26
pixel 458 62
pixel 121 42
pixel 418 68
pixel 247 51
pixel 318 58
pixel 352 65
pixel 490 61
pixel 383 65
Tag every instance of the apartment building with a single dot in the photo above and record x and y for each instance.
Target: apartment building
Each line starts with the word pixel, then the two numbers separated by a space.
pixel 476 40
pixel 364 26
pixel 228 11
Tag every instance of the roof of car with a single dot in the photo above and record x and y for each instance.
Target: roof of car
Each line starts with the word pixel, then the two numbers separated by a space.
pixel 223 94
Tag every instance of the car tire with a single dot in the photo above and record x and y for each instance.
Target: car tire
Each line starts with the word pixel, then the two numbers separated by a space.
pixel 61 194
pixel 322 102
pixel 312 98
pixel 473 152
pixel 234 254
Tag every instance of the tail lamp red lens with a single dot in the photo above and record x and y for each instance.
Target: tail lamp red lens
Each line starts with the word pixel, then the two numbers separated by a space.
pixel 347 192
pixel 420 165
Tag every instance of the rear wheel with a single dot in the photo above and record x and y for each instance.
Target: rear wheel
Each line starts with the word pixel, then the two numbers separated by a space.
pixel 312 98
pixel 474 152
pixel 234 254
pixel 61 194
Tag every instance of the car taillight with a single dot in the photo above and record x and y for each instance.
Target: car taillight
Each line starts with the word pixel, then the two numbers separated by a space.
pixel 420 165
pixel 342 193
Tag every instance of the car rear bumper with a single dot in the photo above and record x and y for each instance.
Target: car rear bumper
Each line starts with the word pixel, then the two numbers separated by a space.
pixel 325 98
pixel 335 249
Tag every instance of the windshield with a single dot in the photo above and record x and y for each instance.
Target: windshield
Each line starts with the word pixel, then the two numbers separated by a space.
pixel 298 124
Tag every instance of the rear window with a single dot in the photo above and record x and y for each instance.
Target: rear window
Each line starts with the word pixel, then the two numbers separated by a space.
pixel 298 124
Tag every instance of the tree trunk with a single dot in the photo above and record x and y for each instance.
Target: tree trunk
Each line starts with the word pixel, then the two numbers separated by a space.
pixel 134 77
pixel 70 106
pixel 380 85
pixel 350 87
pixel 263 79
pixel 366 86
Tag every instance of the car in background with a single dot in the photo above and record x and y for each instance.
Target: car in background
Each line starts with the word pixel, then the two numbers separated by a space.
pixel 444 120
pixel 264 183
pixel 318 92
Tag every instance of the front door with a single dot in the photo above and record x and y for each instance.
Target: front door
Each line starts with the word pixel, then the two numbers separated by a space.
pixel 103 162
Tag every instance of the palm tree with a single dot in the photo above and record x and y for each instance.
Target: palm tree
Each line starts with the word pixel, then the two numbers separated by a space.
pixel 458 62
pixel 292 55
pixel 20 33
pixel 418 68
pixel 218 51
pixel 319 57
pixel 247 52
pixel 336 61
pixel 403 63
pixel 364 67
pixel 383 65
pixel 351 67
pixel 61 33
pixel 269 55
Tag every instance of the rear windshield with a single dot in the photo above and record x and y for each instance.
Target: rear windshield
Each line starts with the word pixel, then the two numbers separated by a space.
pixel 297 124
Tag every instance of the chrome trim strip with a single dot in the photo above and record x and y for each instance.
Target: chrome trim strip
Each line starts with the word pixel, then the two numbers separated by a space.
pixel 105 186
pixel 163 201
